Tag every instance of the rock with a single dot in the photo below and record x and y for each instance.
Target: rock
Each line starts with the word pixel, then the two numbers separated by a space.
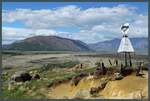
pixel 94 90
pixel 31 72
pixel 36 76
pixel 21 76
pixel 83 75
pixel 75 80
pixel 90 77
pixel 103 84
pixel 126 71
pixel 109 73
pixel 118 76
pixel 98 72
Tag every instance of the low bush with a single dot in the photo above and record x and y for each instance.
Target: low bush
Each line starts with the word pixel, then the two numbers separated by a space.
pixel 68 64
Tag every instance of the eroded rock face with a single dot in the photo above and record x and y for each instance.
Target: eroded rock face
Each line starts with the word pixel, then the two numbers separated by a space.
pixel 75 80
pixel 101 86
pixel 21 76
pixel 104 87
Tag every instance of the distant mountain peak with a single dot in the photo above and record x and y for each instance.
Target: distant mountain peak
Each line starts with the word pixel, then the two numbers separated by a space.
pixel 49 43
pixel 140 45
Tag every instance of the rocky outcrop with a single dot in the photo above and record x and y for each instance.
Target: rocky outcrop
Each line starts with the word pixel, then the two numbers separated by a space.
pixel 21 76
pixel 75 80
pixel 101 86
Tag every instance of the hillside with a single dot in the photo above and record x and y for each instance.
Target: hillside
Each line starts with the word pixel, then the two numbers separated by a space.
pixel 48 43
pixel 55 43
pixel 140 45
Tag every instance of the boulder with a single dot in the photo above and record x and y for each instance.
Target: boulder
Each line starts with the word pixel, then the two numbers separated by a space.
pixel 118 76
pixel 21 76
pixel 36 77
pixel 94 90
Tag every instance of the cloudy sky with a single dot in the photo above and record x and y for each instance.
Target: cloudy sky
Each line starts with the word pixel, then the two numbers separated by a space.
pixel 88 22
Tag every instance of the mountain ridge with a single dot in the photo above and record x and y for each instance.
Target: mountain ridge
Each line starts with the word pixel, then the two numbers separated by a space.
pixel 140 44
pixel 56 43
pixel 46 43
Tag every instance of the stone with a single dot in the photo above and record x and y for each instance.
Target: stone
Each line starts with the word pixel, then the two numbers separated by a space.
pixel 75 80
pixel 21 76
pixel 103 84
pixel 118 76
pixel 36 77
pixel 94 90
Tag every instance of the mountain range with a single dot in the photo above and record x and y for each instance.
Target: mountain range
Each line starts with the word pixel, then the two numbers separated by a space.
pixel 55 43
pixel 140 45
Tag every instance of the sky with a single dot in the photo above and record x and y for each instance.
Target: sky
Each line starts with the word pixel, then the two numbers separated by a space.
pixel 89 22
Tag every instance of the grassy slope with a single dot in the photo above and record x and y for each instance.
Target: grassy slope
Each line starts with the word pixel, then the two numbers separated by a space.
pixel 38 88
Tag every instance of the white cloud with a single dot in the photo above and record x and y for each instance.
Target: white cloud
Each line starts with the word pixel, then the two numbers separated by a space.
pixel 10 35
pixel 93 24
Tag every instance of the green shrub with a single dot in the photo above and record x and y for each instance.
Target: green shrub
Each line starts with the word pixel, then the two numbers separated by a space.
pixel 67 64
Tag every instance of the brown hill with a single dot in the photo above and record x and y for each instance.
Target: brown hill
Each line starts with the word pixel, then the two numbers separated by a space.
pixel 48 43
